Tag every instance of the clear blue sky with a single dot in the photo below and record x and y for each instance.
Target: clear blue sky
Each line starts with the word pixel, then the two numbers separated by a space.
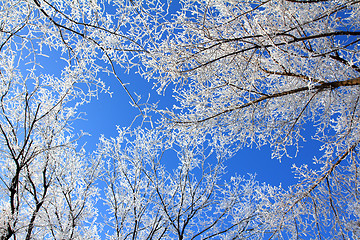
pixel 102 116
pixel 105 113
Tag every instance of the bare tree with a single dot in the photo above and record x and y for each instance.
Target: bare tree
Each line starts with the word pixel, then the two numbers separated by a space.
pixel 243 72
pixel 46 181
pixel 46 185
